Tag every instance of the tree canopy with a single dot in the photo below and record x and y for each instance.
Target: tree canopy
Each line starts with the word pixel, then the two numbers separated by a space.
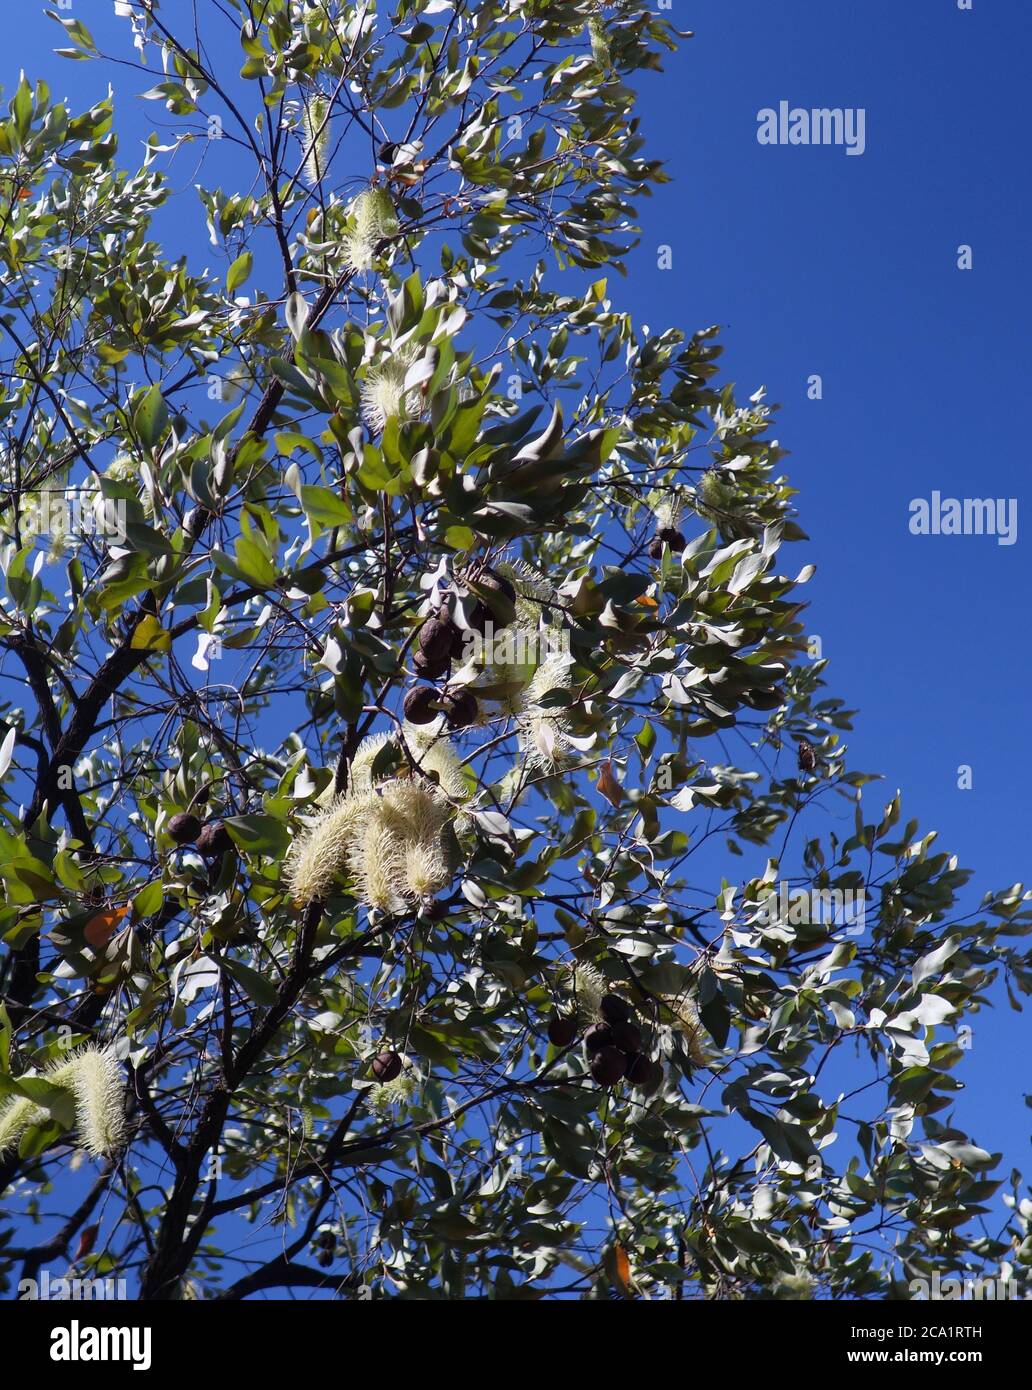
pixel 431 865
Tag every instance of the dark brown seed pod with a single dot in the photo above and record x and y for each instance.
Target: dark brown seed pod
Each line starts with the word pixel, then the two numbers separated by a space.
pixel 626 1037
pixel 608 1066
pixel 652 1082
pixel 490 582
pixel 386 1066
pixel 431 670
pixel 184 828
pixel 214 839
pixel 562 1031
pixel 673 538
pixel 419 704
pixel 614 1009
pixel 435 638
pixel 595 1039
pixel 639 1068
pixel 202 797
pixel 461 708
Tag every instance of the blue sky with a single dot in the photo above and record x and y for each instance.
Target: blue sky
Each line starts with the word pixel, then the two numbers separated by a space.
pixel 814 262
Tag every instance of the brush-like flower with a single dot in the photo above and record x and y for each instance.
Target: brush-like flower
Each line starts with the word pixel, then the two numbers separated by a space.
pixel 418 819
pixel 689 1025
pixel 320 855
pixel 372 218
pixel 530 584
pixel 599 42
pixel 394 835
pixel 399 1092
pixel 587 985
pixel 434 753
pixel 667 510
pixel 511 655
pixel 377 863
pixel 46 513
pixel 315 126
pixel 429 750
pixel 123 470
pixel 356 251
pixel 360 774
pixel 94 1076
pixel 16 1116
pixel 428 868
pixel 719 502
pixel 416 808
pixel 374 213
pixel 794 1286
pixel 383 391
pixel 542 733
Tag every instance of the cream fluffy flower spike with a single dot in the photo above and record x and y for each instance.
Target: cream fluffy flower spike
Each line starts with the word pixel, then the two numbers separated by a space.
pixel 395 837
pixel 587 985
pixel 94 1078
pixel 315 130
pixel 400 1091
pixel 543 732
pixel 688 1023
pixel 16 1116
pixel 383 391
pixel 372 219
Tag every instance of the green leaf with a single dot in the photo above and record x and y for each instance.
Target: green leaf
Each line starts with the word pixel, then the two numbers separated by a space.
pixel 151 418
pixel 239 272
pixel 150 636
pixel 21 108
pixel 124 579
pixel 261 990
pixel 716 1017
pixel 375 473
pixel 148 900
pixel 5 1040
pixel 325 507
pixel 289 440
pixel 459 538
pixel 259 834
pixel 77 31
pixel 254 564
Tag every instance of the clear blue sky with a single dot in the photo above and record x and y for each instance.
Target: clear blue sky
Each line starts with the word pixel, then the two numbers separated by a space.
pixel 816 262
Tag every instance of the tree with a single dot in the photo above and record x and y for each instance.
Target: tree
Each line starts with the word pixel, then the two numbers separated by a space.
pixel 400 646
